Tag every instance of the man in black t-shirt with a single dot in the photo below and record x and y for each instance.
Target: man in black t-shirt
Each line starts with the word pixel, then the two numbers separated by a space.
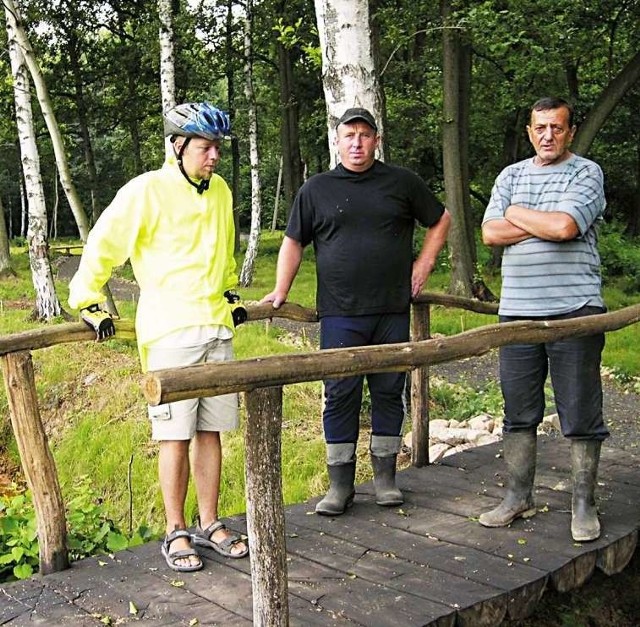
pixel 360 217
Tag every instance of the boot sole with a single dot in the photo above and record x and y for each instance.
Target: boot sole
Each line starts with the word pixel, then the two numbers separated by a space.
pixel 528 513
pixel 328 512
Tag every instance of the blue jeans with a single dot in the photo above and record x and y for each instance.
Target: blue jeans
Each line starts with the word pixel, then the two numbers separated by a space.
pixel 574 365
pixel 343 397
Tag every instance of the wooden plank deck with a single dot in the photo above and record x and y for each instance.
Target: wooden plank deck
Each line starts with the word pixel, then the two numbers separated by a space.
pixel 426 563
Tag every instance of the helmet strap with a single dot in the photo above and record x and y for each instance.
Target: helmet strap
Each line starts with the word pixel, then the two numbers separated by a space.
pixel 203 185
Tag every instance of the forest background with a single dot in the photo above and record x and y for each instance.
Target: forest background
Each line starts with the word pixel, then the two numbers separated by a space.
pixel 101 64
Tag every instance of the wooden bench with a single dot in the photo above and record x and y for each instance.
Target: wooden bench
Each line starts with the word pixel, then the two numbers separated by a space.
pixel 65 249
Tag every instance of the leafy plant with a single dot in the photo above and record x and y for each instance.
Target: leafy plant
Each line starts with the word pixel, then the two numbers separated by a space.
pixel 89 531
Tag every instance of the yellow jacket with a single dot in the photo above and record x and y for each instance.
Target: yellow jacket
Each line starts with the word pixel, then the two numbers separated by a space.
pixel 180 245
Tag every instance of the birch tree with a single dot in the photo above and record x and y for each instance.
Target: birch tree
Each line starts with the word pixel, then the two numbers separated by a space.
pixel 349 75
pixel 248 265
pixel 18 34
pixel 14 21
pixel 167 62
pixel 47 304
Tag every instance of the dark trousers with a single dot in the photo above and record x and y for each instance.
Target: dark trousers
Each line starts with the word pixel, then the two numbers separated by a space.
pixel 574 365
pixel 343 397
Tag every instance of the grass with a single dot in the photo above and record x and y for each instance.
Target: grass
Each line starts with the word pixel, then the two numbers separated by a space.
pixel 95 415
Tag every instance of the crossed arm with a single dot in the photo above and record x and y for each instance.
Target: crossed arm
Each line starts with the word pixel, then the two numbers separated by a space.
pixel 520 223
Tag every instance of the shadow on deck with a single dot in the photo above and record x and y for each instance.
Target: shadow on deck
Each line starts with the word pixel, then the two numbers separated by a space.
pixel 426 563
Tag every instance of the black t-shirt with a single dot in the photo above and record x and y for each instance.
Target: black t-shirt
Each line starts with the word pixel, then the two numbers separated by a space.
pixel 361 226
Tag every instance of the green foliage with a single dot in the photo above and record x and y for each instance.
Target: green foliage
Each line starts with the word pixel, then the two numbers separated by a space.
pixel 620 257
pixel 457 402
pixel 89 531
pixel 19 554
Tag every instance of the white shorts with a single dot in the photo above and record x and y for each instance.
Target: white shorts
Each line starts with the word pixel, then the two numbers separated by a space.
pixel 181 420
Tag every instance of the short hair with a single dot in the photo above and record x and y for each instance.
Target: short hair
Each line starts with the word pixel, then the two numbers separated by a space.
pixel 552 102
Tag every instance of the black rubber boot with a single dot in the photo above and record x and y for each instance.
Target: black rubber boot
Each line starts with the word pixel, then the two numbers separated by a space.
pixel 585 457
pixel 341 467
pixel 384 454
pixel 520 448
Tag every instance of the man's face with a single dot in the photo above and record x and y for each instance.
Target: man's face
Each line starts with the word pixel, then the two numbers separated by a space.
pixel 550 135
pixel 357 143
pixel 200 157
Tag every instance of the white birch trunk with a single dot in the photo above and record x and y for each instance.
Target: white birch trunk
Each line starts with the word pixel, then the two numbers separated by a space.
pixel 167 62
pixel 248 265
pixel 14 21
pixel 47 304
pixel 349 76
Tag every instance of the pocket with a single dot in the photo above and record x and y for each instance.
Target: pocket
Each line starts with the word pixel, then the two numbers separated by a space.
pixel 160 412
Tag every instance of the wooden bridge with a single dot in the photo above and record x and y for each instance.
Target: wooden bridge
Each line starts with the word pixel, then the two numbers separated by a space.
pixel 426 563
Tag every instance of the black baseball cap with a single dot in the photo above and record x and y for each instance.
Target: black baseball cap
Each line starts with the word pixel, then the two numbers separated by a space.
pixel 358 113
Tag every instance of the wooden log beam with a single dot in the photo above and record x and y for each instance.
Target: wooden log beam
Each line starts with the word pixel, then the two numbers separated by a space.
pixel 37 461
pixel 265 507
pixel 164 386
pixel 448 300
pixel 420 330
pixel 79 332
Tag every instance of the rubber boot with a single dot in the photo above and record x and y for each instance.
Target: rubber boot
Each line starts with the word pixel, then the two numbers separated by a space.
pixel 585 456
pixel 520 448
pixel 384 453
pixel 341 467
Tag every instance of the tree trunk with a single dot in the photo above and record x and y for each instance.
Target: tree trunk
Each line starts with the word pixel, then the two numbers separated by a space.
pixel 235 147
pixel 167 62
pixel 5 254
pixel 456 172
pixel 349 76
pixel 14 19
pixel 289 127
pixel 248 266
pixel 605 104
pixel 83 123
pixel 47 305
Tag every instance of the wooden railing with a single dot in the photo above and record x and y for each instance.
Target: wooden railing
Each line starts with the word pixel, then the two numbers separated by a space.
pixel 261 380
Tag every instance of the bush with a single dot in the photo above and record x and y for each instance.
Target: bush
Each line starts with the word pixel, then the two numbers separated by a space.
pixel 620 256
pixel 89 531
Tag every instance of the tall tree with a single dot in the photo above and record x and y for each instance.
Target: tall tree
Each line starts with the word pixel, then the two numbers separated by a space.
pixel 167 61
pixel 5 253
pixel 47 305
pixel 349 75
pixel 19 33
pixel 248 266
pixel 456 78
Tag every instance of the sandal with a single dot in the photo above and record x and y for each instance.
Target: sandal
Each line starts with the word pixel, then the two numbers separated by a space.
pixel 173 558
pixel 203 537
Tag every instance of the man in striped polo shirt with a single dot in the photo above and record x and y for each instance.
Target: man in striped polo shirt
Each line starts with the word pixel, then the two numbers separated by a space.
pixel 544 211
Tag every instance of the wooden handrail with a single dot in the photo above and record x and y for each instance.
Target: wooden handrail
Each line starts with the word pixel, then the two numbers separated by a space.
pixel 262 379
pixel 212 379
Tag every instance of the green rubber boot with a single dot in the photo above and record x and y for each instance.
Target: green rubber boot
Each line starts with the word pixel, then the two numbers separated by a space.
pixel 585 457
pixel 341 467
pixel 520 448
pixel 384 453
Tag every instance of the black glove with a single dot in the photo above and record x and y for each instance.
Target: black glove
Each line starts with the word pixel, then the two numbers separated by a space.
pixel 98 320
pixel 238 310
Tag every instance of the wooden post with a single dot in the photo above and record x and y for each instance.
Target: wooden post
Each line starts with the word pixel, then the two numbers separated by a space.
pixel 265 509
pixel 37 461
pixel 420 330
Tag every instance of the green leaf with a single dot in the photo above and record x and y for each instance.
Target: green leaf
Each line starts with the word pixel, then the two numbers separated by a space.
pixel 23 571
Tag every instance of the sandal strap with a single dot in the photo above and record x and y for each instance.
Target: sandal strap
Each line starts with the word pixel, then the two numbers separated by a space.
pixel 174 535
pixel 211 529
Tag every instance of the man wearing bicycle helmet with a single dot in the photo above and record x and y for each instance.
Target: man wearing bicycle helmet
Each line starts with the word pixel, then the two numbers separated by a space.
pixel 176 227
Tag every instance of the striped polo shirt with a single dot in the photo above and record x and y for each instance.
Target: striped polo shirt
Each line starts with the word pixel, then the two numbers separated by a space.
pixel 540 277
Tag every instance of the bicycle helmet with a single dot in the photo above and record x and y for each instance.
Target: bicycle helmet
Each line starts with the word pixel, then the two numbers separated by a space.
pixel 197 119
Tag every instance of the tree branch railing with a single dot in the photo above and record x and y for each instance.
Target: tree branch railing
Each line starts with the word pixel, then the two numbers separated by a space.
pixel 261 379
